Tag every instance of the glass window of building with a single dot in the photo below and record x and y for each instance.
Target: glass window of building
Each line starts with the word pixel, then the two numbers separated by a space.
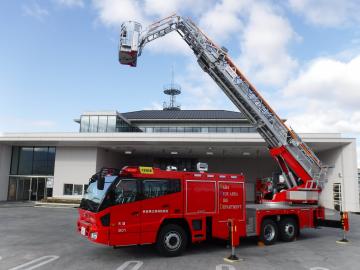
pixel 32 160
pixel 25 160
pixel 111 123
pixel 172 129
pixel 14 160
pixel 212 129
pixel 93 126
pixel 78 189
pixel 84 123
pixel 180 129
pixel 40 160
pixel 68 189
pixel 102 123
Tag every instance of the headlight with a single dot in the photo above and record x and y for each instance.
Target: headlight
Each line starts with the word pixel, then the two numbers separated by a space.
pixel 94 235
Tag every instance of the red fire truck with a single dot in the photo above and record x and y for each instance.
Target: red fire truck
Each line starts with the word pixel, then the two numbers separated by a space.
pixel 145 205
pixel 142 205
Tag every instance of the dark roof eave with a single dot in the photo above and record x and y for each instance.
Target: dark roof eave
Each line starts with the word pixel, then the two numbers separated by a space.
pixel 189 120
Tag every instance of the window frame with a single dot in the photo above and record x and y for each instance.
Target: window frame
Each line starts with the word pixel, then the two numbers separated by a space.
pixel 72 189
pixel 82 190
pixel 170 186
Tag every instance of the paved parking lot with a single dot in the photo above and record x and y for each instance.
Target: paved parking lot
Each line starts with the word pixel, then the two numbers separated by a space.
pixel 45 238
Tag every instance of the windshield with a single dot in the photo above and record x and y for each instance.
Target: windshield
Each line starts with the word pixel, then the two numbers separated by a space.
pixel 93 196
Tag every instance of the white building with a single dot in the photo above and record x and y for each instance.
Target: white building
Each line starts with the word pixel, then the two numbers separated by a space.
pixel 35 165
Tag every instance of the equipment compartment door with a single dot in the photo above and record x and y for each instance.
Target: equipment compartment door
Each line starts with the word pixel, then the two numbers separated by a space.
pixel 200 197
pixel 231 206
pixel 125 215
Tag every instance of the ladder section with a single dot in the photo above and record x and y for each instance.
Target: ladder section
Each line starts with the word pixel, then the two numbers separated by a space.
pixel 215 61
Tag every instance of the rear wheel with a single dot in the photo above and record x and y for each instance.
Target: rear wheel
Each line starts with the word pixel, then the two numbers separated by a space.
pixel 288 229
pixel 269 232
pixel 172 240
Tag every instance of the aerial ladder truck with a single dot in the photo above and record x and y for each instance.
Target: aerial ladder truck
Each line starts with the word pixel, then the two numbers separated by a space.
pixel 144 205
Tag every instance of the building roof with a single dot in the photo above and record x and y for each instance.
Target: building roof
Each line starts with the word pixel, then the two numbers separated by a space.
pixel 184 115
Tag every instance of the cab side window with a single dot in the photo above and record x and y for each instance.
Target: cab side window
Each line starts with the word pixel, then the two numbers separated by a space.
pixel 154 188
pixel 126 191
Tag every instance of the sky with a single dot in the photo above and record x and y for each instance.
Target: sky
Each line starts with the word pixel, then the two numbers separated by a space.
pixel 58 58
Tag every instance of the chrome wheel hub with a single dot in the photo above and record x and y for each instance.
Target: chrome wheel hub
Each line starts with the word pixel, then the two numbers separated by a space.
pixel 269 232
pixel 172 240
pixel 289 230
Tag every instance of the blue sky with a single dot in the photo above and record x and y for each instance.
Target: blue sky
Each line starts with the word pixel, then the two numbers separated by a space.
pixel 59 58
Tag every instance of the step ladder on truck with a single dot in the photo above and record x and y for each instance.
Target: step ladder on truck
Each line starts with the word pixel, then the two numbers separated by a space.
pixel 292 205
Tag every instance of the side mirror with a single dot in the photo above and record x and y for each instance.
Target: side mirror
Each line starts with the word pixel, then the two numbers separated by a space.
pixel 100 183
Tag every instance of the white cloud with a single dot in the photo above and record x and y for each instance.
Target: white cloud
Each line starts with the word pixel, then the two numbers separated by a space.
pixel 161 8
pixel 333 84
pixel 328 12
pixel 71 3
pixel 36 11
pixel 223 20
pixel 114 12
pixel 264 53
pixel 325 97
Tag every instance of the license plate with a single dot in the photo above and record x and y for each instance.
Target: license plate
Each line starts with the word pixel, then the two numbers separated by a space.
pixel 83 230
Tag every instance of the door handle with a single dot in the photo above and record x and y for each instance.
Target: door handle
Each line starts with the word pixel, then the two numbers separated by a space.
pixel 136 213
pixel 165 206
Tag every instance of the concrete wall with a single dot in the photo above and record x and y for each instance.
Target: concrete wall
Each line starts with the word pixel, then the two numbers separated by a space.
pixel 73 165
pixel 107 158
pixel 5 161
pixel 344 171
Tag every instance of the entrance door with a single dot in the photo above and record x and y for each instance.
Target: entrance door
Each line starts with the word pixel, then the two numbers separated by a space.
pixel 38 187
pixel 26 191
pixel 12 189
pixel 26 188
pixel 22 190
pixel 33 190
pixel 40 194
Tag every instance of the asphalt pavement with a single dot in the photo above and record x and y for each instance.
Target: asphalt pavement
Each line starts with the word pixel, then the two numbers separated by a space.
pixel 46 238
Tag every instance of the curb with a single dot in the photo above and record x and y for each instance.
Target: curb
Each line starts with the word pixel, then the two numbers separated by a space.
pixel 62 205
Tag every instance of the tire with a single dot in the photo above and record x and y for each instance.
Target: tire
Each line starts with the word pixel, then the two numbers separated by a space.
pixel 269 232
pixel 288 229
pixel 172 240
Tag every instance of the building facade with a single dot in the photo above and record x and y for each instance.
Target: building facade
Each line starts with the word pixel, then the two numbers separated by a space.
pixel 38 165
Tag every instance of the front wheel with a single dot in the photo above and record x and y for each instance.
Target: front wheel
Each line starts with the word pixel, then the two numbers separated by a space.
pixel 269 232
pixel 172 240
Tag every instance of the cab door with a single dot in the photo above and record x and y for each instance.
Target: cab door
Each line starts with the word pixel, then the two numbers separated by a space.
pixel 125 214
pixel 161 199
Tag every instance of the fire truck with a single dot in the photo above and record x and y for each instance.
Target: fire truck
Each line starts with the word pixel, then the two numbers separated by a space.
pixel 145 205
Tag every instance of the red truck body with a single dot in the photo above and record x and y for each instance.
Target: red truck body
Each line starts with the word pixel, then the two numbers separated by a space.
pixel 201 203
